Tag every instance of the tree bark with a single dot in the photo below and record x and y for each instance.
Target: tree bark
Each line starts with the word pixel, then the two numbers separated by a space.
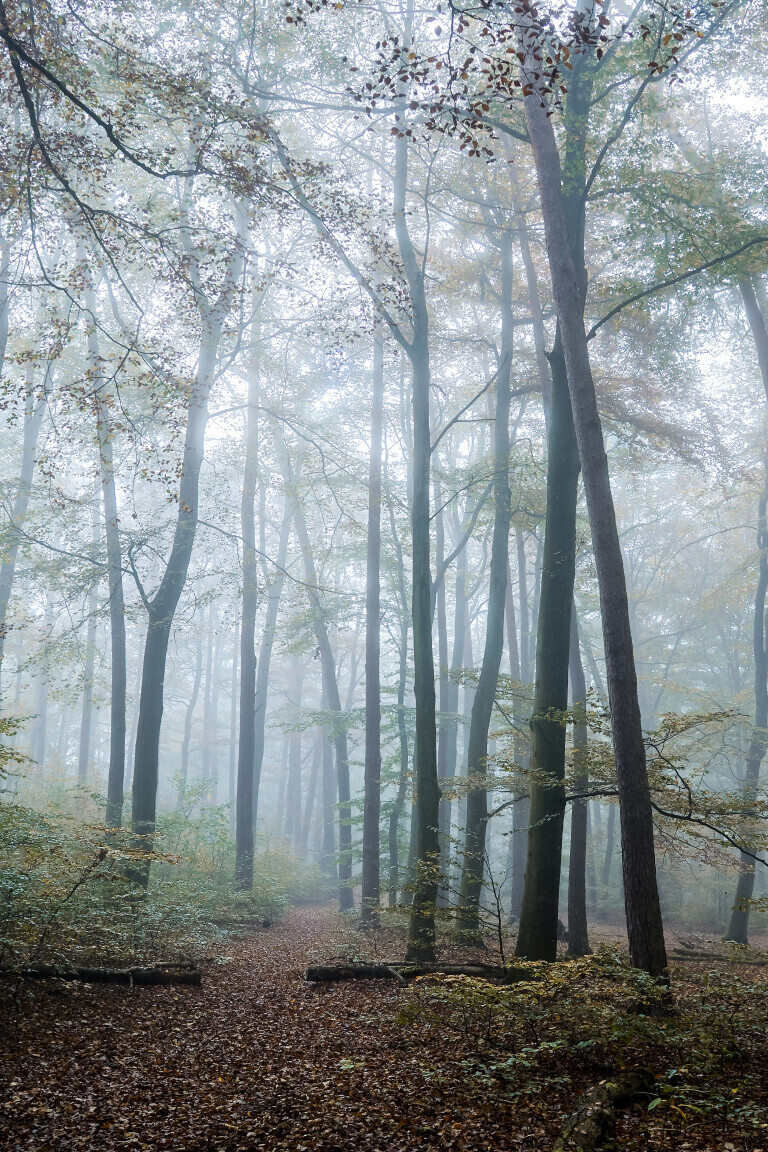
pixel 482 706
pixel 162 607
pixel 330 680
pixel 421 932
pixel 188 718
pixel 245 804
pixel 537 936
pixel 578 936
pixel 34 411
pixel 371 885
pixel 644 923
pixel 738 926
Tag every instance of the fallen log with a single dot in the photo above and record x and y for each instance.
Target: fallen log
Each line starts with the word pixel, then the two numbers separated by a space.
pixel 594 1119
pixel 689 954
pixel 326 973
pixel 156 974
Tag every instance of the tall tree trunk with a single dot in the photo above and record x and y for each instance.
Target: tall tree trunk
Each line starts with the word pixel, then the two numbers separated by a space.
pixel 451 727
pixel 208 733
pixel 371 884
pixel 328 862
pixel 421 932
pixel 328 665
pixel 293 783
pixel 402 734
pixel 444 703
pixel 274 596
pixel 84 749
pixel 118 646
pixel 309 806
pixel 578 937
pixel 162 607
pixel 482 706
pixel 34 411
pixel 521 805
pixel 738 926
pixel 537 936
pixel 232 774
pixel 644 923
pixel 245 804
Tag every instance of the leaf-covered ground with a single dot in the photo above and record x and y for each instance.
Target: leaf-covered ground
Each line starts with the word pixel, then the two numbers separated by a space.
pixel 257 1059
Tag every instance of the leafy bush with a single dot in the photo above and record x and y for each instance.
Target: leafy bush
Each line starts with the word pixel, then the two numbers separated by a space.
pixel 590 1018
pixel 66 896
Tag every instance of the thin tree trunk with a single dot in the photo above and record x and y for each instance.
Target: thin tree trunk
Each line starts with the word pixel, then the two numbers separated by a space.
pixel 328 665
pixel 482 706
pixel 188 717
pixel 644 924
pixel 371 884
pixel 274 596
pixel 329 863
pixel 521 805
pixel 232 775
pixel 309 806
pixel 245 803
pixel 84 749
pixel 293 789
pixel 208 699
pixel 578 937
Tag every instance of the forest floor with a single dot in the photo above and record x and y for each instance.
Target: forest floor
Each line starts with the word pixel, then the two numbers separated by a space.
pixel 257 1059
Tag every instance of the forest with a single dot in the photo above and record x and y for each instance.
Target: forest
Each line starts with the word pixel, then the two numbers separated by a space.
pixel 384 575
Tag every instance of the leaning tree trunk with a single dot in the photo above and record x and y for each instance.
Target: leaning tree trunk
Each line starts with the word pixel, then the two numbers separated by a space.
pixel 371 894
pixel 485 694
pixel 578 936
pixel 644 922
pixel 537 936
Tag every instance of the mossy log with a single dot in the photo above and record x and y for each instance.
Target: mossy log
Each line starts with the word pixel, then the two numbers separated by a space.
pixel 594 1118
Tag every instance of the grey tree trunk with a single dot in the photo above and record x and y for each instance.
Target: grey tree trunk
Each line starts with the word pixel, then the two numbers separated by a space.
pixel 578 935
pixel 84 745
pixel 162 606
pixel 274 596
pixel 371 885
pixel 245 802
pixel 644 923
pixel 330 680
pixel 537 935
pixel 482 706
pixel 188 718
pixel 34 410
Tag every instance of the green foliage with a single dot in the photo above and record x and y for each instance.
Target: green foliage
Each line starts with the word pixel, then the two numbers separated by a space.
pixel 595 1016
pixel 66 897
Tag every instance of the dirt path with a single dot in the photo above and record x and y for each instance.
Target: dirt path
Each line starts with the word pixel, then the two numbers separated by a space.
pixel 253 1059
